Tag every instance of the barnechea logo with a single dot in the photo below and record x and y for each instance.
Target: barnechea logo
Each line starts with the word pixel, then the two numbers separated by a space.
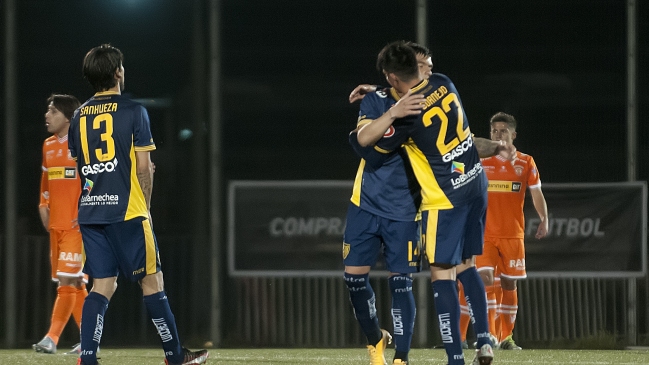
pixel 458 167
pixel 88 185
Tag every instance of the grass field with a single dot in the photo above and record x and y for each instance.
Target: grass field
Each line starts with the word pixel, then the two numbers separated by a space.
pixel 333 356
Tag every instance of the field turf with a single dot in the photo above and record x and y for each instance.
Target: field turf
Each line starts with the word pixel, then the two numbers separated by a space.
pixel 123 356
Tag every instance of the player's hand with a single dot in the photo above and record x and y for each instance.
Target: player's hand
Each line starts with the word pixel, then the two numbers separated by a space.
pixel 409 104
pixel 542 231
pixel 506 151
pixel 359 92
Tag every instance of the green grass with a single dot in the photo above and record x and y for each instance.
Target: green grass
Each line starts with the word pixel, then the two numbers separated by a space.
pixel 334 356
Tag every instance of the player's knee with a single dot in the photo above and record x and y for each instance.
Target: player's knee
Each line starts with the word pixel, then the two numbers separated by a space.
pixel 507 284
pixel 487 277
pixel 400 283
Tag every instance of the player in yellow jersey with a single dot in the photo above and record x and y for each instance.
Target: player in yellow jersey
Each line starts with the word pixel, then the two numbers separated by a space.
pixel 59 197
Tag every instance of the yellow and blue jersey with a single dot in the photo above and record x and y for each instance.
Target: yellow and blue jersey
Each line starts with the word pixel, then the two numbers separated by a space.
pixel 105 132
pixel 389 190
pixel 440 146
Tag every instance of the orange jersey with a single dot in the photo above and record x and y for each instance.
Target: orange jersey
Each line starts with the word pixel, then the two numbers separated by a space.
pixel 60 185
pixel 507 184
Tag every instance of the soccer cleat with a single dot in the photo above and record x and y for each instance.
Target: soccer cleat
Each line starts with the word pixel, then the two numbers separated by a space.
pixel 465 345
pixel 483 356
pixel 76 350
pixel 192 357
pixel 46 346
pixel 376 352
pixel 494 343
pixel 509 344
pixel 399 362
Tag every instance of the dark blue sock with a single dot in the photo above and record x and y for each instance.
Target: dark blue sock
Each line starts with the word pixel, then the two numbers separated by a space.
pixel 447 306
pixel 476 298
pixel 158 307
pixel 92 326
pixel 403 314
pixel 364 302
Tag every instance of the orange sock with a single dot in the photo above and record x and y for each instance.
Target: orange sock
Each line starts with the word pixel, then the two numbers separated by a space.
pixel 65 298
pixel 78 304
pixel 492 308
pixel 509 309
pixel 465 315
pixel 498 293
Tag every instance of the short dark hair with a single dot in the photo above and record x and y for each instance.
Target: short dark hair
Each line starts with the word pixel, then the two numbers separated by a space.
pixel 505 118
pixel 100 65
pixel 400 59
pixel 66 104
pixel 419 49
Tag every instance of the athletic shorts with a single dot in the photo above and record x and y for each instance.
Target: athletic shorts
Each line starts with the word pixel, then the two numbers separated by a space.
pixel 128 247
pixel 367 234
pixel 453 235
pixel 65 253
pixel 505 254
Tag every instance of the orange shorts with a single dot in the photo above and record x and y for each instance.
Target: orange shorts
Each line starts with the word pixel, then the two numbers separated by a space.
pixel 504 255
pixel 65 254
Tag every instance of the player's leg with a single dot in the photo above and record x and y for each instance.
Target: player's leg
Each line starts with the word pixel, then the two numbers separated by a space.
pixel 486 264
pixel 513 269
pixel 402 256
pixel 101 264
pixel 47 344
pixel 135 244
pixel 465 315
pixel 473 239
pixel 442 244
pixel 361 247
pixel 498 294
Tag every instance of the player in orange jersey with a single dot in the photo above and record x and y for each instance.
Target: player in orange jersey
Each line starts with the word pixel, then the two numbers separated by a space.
pixel 60 191
pixel 504 249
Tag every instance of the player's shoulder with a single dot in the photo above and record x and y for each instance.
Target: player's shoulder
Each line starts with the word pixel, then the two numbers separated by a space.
pixel 381 94
pixel 440 78
pixel 50 140
pixel 523 156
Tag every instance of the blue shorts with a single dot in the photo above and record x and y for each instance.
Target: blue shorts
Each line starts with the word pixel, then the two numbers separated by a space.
pixel 366 233
pixel 454 235
pixel 129 247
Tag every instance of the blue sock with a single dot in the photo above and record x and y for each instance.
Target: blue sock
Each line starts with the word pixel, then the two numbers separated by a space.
pixel 158 307
pixel 92 326
pixel 476 298
pixel 447 306
pixel 364 302
pixel 403 314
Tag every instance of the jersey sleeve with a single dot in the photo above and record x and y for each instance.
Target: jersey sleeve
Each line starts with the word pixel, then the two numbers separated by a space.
pixel 395 136
pixel 142 138
pixel 370 108
pixel 373 156
pixel 533 178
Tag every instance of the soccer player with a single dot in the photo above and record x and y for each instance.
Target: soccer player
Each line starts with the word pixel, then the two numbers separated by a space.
pixel 445 160
pixel 504 247
pixel 58 208
pixel 110 137
pixel 383 214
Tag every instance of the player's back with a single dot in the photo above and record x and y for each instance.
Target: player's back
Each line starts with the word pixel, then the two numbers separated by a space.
pixel 441 148
pixel 391 190
pixel 105 132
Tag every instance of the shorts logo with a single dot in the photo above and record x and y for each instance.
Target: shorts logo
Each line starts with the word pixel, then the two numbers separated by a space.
pixel 458 167
pixel 346 248
pixel 88 185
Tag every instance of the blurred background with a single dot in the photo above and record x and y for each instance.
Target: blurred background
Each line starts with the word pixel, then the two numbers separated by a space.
pixel 284 70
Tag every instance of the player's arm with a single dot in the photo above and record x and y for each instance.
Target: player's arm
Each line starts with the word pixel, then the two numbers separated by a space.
pixel 359 92
pixel 373 156
pixel 541 209
pixel 409 104
pixel 488 148
pixel 43 206
pixel 144 172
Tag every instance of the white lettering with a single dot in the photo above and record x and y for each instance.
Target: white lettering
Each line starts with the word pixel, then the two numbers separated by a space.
pixel 300 226
pixel 99 168
pixel 570 227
